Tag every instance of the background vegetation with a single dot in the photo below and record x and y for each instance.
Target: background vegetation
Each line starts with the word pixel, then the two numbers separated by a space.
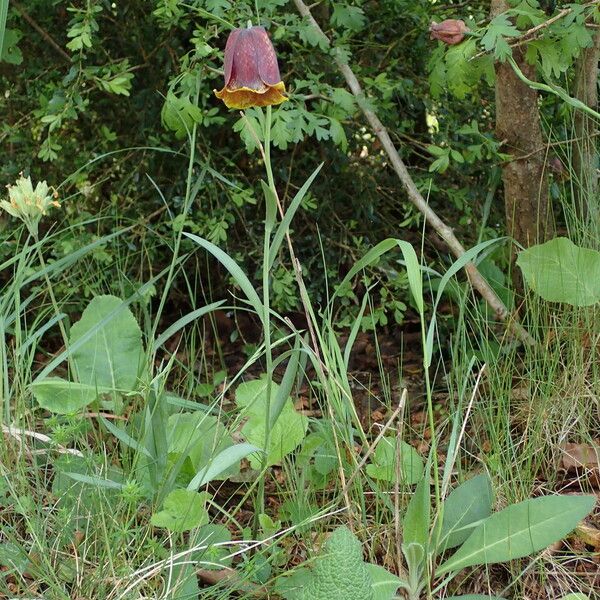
pixel 112 103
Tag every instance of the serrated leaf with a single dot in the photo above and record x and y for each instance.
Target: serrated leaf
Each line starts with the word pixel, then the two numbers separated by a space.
pixel 348 16
pixel 344 99
pixel 493 39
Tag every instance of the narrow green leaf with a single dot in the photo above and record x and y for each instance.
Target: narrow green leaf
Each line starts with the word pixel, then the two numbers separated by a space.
pixel 182 322
pixel 223 461
pixel 456 266
pixel 416 522
pixel 475 597
pixel 285 387
pixel 519 530
pixel 355 329
pixel 413 268
pixel 234 269
pixel 271 206
pixel 93 480
pixel 124 437
pixel 289 215
pixel 3 15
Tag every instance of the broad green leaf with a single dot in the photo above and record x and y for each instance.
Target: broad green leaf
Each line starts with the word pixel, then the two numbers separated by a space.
pixel 65 397
pixel 213 554
pixel 199 436
pixel 519 530
pixel 111 356
pixel 9 51
pixel 286 434
pixel 383 465
pixel 416 522
pixel 184 582
pixel 468 503
pixel 182 510
pixel 385 584
pixel 560 271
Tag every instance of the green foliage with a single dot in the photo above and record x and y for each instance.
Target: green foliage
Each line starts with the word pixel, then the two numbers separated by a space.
pixel 339 571
pixel 288 430
pixel 182 510
pixel 519 530
pixel 200 437
pixel 384 462
pixel 106 350
pixel 560 271
pixel 106 345
pixel 466 505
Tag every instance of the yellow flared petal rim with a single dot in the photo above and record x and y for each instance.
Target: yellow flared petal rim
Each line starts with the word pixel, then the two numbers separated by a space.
pixel 241 98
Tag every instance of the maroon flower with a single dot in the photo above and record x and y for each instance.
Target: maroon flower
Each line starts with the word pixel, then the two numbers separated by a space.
pixel 251 71
pixel 450 31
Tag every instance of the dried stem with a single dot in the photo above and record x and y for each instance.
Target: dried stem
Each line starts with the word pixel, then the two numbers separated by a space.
pixel 443 230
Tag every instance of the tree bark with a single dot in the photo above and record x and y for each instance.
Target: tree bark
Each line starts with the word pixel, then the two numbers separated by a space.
pixel 526 200
pixel 585 159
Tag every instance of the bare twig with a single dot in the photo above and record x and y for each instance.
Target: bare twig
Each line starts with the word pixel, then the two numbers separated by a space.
pixel 41 31
pixel 19 434
pixel 445 232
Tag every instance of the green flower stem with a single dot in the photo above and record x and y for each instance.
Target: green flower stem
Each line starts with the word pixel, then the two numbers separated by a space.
pixel 63 331
pixel 266 317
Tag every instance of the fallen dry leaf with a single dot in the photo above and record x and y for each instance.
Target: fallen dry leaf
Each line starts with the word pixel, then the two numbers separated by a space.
pixel 576 456
pixel 588 534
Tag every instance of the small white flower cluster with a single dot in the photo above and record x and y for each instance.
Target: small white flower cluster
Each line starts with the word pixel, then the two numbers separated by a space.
pixel 29 204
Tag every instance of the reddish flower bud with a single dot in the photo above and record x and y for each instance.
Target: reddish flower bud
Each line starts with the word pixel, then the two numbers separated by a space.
pixel 251 71
pixel 450 31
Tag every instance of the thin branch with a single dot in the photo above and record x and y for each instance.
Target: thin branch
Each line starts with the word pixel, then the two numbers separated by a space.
pixel 445 232
pixel 41 31
pixel 527 36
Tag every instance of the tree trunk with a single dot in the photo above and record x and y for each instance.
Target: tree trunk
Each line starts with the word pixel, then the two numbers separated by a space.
pixel 526 201
pixel 584 149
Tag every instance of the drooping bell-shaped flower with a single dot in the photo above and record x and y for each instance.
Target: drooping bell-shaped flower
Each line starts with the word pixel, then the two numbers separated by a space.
pixel 450 31
pixel 251 71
